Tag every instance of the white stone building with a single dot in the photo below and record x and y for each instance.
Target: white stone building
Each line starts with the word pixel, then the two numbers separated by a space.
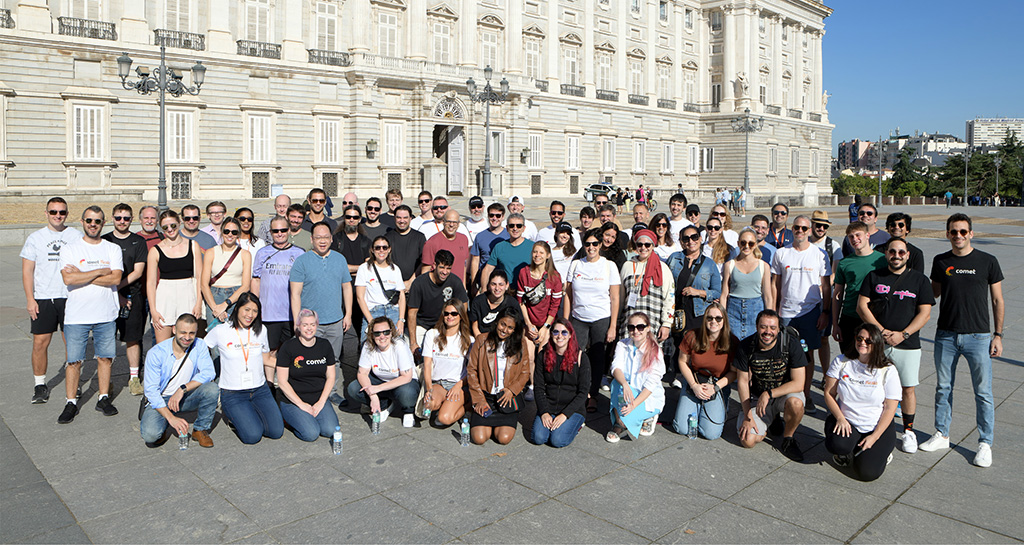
pixel 991 131
pixel 368 94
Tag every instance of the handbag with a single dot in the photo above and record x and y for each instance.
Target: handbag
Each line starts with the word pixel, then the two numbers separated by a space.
pixel 537 293
pixel 391 295
pixel 144 401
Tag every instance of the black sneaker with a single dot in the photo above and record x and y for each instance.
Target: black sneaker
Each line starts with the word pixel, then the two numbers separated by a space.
pixel 777 426
pixel 41 394
pixel 841 460
pixel 68 414
pixel 104 406
pixel 791 450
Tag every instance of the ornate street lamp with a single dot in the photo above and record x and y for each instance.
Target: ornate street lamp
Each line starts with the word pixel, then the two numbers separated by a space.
pixel 747 125
pixel 487 96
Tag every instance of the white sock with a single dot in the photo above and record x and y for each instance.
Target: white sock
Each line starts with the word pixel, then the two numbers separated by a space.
pixel 102 396
pixel 133 372
pixel 73 401
pixel 40 379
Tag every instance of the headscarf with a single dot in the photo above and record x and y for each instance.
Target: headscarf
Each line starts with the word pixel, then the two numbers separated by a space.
pixel 652 271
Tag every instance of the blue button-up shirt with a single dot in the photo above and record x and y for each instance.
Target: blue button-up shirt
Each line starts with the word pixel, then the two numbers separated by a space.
pixel 161 364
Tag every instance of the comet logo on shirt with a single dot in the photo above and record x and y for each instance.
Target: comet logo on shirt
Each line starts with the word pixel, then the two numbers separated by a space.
pixel 298 361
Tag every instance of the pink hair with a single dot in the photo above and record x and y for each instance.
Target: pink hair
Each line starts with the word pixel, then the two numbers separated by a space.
pixel 651 348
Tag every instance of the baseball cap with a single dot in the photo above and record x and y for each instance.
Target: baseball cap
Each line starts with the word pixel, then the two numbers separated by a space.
pixel 692 209
pixel 516 198
pixel 475 202
pixel 820 216
pixel 564 227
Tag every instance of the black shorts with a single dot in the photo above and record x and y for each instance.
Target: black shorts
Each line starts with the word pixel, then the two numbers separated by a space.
pixel 278 333
pixel 50 317
pixel 132 328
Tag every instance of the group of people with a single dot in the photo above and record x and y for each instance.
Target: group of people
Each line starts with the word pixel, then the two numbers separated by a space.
pixel 444 318
pixel 734 199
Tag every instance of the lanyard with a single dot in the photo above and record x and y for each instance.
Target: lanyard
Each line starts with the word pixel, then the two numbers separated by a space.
pixel 245 347
pixel 637 279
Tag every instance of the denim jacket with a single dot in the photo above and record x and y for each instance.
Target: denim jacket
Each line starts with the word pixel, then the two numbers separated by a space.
pixel 708 278
pixel 161 364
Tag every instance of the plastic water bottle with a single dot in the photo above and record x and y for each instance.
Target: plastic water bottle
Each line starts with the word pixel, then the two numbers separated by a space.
pixel 691 423
pixel 375 426
pixel 182 441
pixel 803 345
pixel 426 408
pixel 464 437
pixel 336 440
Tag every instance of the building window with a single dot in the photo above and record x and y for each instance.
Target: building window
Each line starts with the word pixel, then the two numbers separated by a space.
pixel 570 65
pixel 489 48
pixel 708 157
pixel 794 162
pixel 690 86
pixel 608 155
pixel 694 163
pixel 572 152
pixel 665 80
pixel 329 134
pixel 442 42
pixel 636 76
pixel 177 15
pixel 259 138
pixel 668 157
pixel 536 150
pixel 180 136
pixel 785 92
pixel 639 155
pixel 716 21
pixel 498 147
pixel 533 57
pixel 605 71
pixel 327 26
pixel 814 163
pixel 663 10
pixel 387 37
pixel 688 19
pixel 763 94
pixel 804 96
pixel 393 144
pixel 773 159
pixel 257 21
pixel 85 9
pixel 88 133
pixel 716 93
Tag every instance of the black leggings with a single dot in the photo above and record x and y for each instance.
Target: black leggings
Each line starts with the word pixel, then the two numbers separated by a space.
pixel 591 338
pixel 870 463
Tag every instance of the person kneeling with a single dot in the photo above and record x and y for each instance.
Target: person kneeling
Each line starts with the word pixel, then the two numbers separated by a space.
pixel 179 378
pixel 305 374
pixel 385 371
pixel 862 389
pixel 562 383
pixel 499 366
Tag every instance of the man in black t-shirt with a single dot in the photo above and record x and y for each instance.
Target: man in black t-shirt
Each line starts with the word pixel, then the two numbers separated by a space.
pixel 770 380
pixel 429 293
pixel 898 300
pixel 898 225
pixel 406 245
pixel 962 279
pixel 132 326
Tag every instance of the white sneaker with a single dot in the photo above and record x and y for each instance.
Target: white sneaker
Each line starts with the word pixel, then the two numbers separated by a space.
pixel 408 421
pixel 935 442
pixel 606 384
pixel 676 383
pixel 909 442
pixel 984 456
pixel 384 415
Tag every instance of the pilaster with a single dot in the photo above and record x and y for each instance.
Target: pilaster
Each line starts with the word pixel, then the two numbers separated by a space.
pixel 293 46
pixel 34 16
pixel 218 36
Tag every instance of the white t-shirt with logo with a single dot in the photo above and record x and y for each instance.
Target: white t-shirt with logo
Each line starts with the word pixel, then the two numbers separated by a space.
pixel 801 273
pixel 678 225
pixel 90 303
pixel 43 247
pixel 861 391
pixel 476 226
pixel 590 283
pixel 390 363
pixel 391 276
pixel 447 364
pixel 241 356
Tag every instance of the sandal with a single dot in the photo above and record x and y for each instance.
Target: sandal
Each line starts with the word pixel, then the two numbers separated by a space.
pixel 615 435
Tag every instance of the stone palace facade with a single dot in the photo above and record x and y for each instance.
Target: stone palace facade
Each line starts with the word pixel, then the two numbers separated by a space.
pixel 372 94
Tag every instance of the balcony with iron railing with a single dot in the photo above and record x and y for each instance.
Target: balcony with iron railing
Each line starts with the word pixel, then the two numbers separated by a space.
pixel 605 94
pixel 86 28
pixel 814 117
pixel 573 90
pixel 178 39
pixel 542 85
pixel 642 100
pixel 700 108
pixel 6 21
pixel 774 110
pixel 264 50
pixel 667 103
pixel 333 58
pixel 795 113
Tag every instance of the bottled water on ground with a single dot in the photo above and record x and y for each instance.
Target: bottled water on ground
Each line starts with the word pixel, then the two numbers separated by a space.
pixel 182 441
pixel 691 423
pixel 375 426
pixel 336 440
pixel 464 439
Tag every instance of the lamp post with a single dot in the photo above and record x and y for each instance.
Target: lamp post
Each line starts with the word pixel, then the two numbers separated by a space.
pixel 967 162
pixel 487 96
pixel 998 161
pixel 165 80
pixel 747 125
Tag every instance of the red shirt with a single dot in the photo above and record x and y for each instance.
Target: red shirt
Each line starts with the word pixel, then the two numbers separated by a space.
pixel 459 247
pixel 548 306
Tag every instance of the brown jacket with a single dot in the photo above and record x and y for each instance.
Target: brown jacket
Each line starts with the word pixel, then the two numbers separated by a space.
pixel 480 371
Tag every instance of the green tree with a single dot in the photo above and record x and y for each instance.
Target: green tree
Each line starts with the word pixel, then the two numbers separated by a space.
pixel 858 185
pixel 907 179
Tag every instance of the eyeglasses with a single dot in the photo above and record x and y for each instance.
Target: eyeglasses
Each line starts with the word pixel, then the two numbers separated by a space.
pixel 560 333
pixel 383 333
pixel 450 313
pixel 868 213
pixel 900 225
pixel 57 212
pixel 692 238
pixel 717 214
pixel 961 232
pixel 233 232
pixel 440 207
pixel 347 203
pixel 318 201
pixel 592 243
pixel 644 244
pixel 215 212
pixel 636 327
pixel 779 213
pixel 285 230
pixel 244 218
pixel 381 248
pixel 900 253
pixel 714 227
pixel 92 221
pixel 472 206
pixel 864 340
pixel 714 318
pixel 515 226
pixel 661 226
pixel 122 218
pixel 353 217
pixel 424 201
pixel 190 218
pixel 820 226
pixel 169 227
pixel 557 212
pixel 747 244
pixel 373 209
pixel 498 216
pixel 797 228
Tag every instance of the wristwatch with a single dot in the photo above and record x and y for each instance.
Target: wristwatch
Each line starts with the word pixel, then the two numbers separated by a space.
pixel 1000 335
pixel 906 335
pixel 184 388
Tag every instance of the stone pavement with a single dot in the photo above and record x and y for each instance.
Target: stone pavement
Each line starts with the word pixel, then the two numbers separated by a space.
pixel 94 480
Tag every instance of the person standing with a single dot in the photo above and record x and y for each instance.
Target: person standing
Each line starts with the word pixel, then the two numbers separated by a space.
pixel 486 307
pixel 215 212
pixel 424 201
pixel 350 240
pixel 45 294
pixel 439 210
pixel 759 223
pixel 833 254
pixel 517 205
pixel 898 301
pixel 131 320
pixel 296 215
pixel 850 273
pixel 556 211
pixel 428 295
pixel 281 204
pixel 374 227
pixel 379 287
pixel 868 215
pixel 173 268
pixel 148 216
pixel 271 268
pixel 227 273
pixel 406 245
pixel 510 254
pixel 949 197
pixel 452 240
pixel 317 199
pixel 247 239
pixel 394 199
pixel 963 279
pixel 91 269
pixel 778 235
pixel 677 219
pixel 897 225
pixel 476 222
pixel 746 286
pixel 189 227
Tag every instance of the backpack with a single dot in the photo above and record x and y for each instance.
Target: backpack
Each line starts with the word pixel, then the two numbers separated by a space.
pixel 784 334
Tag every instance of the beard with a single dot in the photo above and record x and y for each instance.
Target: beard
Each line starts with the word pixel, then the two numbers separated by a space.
pixel 351 229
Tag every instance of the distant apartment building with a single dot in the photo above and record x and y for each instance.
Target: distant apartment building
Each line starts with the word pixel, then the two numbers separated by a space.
pixel 930 150
pixel 990 131
pixel 853 154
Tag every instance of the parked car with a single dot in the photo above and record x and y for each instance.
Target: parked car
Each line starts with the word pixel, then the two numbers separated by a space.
pixel 593 190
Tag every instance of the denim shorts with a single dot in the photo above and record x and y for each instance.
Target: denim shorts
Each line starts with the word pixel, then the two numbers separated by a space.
pixel 103 340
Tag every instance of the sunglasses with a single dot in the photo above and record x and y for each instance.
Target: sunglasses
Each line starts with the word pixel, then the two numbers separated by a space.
pixel 383 333
pixel 961 232
pixel 799 228
pixel 636 327
pixel 693 213
pixel 779 213
pixel 373 209
pixel 450 313
pixel 644 245
pixel 515 226
pixel 900 253
pixel 557 212
pixel 353 217
pixel 190 218
pixel 864 340
pixel 169 227
pixel 747 244
pixel 661 226
pixel 319 201
pixel 57 212
pixel 472 206
pixel 381 248
pixel 820 226
pixel 714 227
pixel 285 230
pixel 498 216
pixel 692 238
pixel 92 221
pixel 560 333
pixel 592 243
pixel 715 318
pixel 424 201
pixel 717 214
pixel 440 207
pixel 244 218
pixel 234 232
pixel 866 213
pixel 900 225
pixel 122 218
pixel 347 203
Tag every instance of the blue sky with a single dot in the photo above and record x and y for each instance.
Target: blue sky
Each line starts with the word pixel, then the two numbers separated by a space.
pixel 921 65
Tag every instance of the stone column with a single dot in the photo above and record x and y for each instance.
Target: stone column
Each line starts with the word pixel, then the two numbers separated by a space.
pixel 752 66
pixel 133 26
pixel 796 39
pixel 703 56
pixel 621 45
pixel 818 76
pixel 730 52
pixel 776 75
pixel 362 26
pixel 552 48
pixel 218 36
pixel 468 33
pixel 589 68
pixel 418 30
pixel 293 47
pixel 514 39
pixel 650 64
pixel 34 16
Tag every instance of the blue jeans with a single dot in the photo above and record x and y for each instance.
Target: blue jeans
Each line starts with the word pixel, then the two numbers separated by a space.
pixel 405 395
pixel 253 412
pixel 391 311
pixel 219 296
pixel 308 427
pixel 203 400
pixel 974 347
pixel 103 340
pixel 710 417
pixel 560 436
pixel 742 315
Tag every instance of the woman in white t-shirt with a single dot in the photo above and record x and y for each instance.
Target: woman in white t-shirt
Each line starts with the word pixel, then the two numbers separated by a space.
pixel 380 290
pixel 445 349
pixel 862 389
pixel 245 365
pixel 385 373
pixel 666 244
pixel 638 396
pixel 592 289
pixel 565 249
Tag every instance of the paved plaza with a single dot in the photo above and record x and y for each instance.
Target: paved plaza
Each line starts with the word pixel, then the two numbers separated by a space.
pixel 95 481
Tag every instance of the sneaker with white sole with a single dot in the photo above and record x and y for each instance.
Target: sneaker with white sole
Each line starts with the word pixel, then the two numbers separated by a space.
pixel 647 427
pixel 384 415
pixel 983 458
pixel 135 386
pixel 677 384
pixel 935 442
pixel 606 384
pixel 909 442
pixel 40 394
pixel 810 408
pixel 408 421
